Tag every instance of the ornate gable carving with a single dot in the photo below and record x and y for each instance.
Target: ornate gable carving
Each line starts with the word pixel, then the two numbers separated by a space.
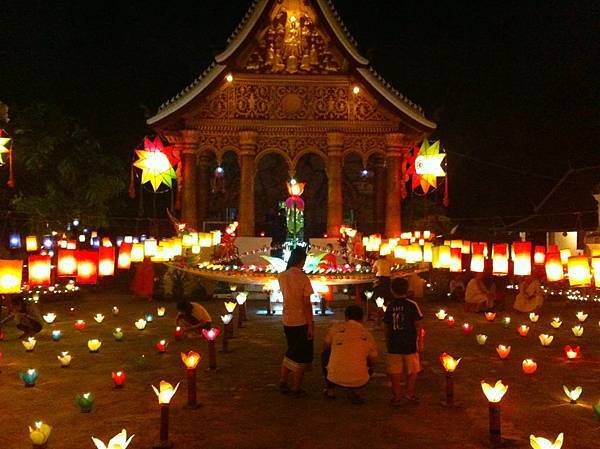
pixel 292 41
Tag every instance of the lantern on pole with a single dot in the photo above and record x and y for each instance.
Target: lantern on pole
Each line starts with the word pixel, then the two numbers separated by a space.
pixel 165 393
pixel 191 361
pixel 494 395
pixel 449 363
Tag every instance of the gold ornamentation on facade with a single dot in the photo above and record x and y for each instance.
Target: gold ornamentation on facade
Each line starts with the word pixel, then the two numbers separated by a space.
pixel 292 42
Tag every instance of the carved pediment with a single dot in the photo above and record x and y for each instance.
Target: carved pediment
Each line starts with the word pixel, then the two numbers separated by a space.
pixel 291 40
pixel 254 98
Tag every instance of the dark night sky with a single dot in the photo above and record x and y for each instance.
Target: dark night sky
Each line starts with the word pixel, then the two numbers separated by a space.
pixel 512 85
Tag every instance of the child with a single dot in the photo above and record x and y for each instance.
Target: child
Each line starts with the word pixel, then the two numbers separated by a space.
pixel 401 335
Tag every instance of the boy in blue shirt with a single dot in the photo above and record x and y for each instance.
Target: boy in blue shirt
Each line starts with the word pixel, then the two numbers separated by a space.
pixel 401 336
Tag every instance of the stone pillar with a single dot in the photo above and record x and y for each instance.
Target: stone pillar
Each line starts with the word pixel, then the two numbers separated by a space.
pixel 186 143
pixel 394 155
pixel 203 188
pixel 335 205
pixel 246 209
pixel 379 197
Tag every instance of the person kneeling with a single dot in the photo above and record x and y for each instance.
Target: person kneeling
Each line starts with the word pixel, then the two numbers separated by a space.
pixel 352 353
pixel 192 317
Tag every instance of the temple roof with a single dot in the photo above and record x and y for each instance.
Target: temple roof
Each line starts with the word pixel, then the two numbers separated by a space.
pixel 244 31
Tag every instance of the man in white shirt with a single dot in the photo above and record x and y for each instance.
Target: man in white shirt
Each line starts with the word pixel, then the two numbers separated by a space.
pixel 297 322
pixel 352 354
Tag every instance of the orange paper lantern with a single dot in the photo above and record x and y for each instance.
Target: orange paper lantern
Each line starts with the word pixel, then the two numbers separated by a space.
pixel 124 259
pixel 11 273
pixel 87 267
pixel 477 258
pixel 539 255
pixel 66 263
pixel 522 262
pixel 40 270
pixel 580 274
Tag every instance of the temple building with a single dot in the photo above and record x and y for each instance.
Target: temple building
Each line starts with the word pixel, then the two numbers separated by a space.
pixel 292 84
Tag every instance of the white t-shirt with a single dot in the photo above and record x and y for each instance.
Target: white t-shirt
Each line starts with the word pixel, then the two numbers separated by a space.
pixel 296 289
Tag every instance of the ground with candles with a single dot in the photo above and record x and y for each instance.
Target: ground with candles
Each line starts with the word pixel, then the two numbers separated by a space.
pixel 242 407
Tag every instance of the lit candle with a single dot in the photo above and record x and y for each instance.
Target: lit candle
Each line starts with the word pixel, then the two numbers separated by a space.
pixel 546 339
pixel 85 401
pixel 99 317
pixel 449 363
pixel 149 317
pixel 119 378
pixel 29 344
pixel 534 317
pixel 80 325
pixel 160 311
pixel 230 306
pixel 39 433
pixel 506 321
pixel 49 317
pixel 441 314
pixel 115 310
pixel 573 394
pixel 65 359
pixel 211 334
pixel 467 328
pixel 227 318
pixel 556 322
pixel 29 377
pixel 119 441
pixel 450 320
pixel 162 345
pixel 503 351
pixel 577 330
pixel 380 302
pixel 140 324
pixel 543 443
pixel 481 339
pixel 56 335
pixel 572 352
pixel 490 316
pixel 581 316
pixel 529 366
pixel 94 345
pixel 179 333
pixel 118 334
pixel 523 330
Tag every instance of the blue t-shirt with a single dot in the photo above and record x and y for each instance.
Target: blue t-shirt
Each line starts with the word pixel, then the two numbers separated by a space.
pixel 400 316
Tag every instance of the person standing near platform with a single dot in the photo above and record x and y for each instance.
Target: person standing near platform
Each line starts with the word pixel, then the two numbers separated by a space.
pixel 298 323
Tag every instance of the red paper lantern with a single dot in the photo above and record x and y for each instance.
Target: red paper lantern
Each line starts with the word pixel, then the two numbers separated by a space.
pixel 554 267
pixel 40 270
pixel 66 265
pixel 455 260
pixel 478 258
pixel 87 267
pixel 500 259
pixel 539 255
pixel 119 378
pixel 106 261
pixel 124 259
pixel 522 262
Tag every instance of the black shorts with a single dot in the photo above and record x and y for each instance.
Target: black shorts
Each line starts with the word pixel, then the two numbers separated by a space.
pixel 300 348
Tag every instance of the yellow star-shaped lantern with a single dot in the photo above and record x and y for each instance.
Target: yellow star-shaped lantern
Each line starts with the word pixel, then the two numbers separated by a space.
pixel 427 166
pixel 4 141
pixel 156 168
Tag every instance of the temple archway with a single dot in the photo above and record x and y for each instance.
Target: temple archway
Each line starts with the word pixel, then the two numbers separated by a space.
pixel 311 170
pixel 272 172
pixel 357 193
pixel 224 187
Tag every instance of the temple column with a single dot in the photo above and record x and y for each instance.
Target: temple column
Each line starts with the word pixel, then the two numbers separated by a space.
pixel 394 156
pixel 379 194
pixel 246 209
pixel 203 188
pixel 335 205
pixel 186 144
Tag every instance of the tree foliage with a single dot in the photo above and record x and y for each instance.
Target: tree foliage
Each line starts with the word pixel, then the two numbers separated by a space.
pixel 62 171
